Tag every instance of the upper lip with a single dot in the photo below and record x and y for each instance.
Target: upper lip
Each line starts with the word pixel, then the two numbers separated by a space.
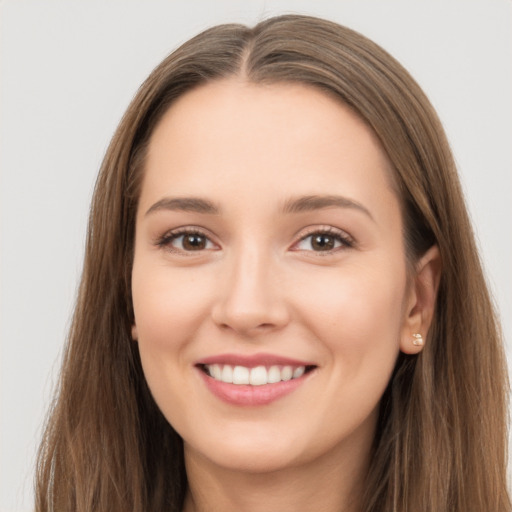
pixel 251 361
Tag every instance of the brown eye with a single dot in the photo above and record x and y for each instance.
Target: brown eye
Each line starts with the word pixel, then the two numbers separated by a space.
pixel 322 242
pixel 183 241
pixel 194 242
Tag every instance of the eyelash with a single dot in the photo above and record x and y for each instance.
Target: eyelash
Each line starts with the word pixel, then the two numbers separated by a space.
pixel 166 240
pixel 345 241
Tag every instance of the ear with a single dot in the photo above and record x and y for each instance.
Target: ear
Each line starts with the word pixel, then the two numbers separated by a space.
pixel 135 334
pixel 421 302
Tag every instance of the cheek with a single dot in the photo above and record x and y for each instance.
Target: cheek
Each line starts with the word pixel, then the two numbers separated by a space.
pixel 167 306
pixel 166 302
pixel 357 313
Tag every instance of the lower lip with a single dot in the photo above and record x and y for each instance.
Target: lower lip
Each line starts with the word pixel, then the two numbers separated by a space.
pixel 246 395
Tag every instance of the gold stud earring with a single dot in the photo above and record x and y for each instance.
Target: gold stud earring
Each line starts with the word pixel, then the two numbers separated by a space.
pixel 417 340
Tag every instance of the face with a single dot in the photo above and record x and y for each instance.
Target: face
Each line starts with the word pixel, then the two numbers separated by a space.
pixel 269 277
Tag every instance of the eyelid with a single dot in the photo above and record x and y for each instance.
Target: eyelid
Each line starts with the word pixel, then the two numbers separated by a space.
pixel 347 240
pixel 164 241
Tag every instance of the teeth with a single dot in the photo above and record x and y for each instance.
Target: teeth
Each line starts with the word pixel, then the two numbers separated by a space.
pixel 240 375
pixel 216 371
pixel 274 375
pixel 257 376
pixel 298 372
pixel 227 374
pixel 286 373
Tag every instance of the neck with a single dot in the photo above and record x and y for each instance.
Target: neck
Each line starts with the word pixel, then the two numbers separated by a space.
pixel 332 483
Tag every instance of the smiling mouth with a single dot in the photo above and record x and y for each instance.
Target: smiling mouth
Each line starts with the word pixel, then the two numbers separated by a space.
pixel 254 376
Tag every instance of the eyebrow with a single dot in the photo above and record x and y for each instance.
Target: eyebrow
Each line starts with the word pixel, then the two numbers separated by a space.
pixel 293 205
pixel 185 204
pixel 318 202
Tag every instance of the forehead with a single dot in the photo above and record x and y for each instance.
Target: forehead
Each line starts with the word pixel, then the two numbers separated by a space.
pixel 231 135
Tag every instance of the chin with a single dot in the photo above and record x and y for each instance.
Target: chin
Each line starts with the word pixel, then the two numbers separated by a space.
pixel 249 453
pixel 252 461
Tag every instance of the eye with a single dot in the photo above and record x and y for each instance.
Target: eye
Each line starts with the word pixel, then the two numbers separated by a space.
pixel 324 241
pixel 186 241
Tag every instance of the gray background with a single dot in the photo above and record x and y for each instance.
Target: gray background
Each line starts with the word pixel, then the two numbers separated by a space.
pixel 68 70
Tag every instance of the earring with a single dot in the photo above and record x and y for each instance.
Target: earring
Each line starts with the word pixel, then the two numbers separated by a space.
pixel 417 340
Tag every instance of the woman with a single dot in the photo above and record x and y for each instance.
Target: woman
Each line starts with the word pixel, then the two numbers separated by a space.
pixel 282 306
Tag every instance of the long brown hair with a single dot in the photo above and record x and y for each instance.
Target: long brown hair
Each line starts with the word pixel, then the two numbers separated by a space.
pixel 440 445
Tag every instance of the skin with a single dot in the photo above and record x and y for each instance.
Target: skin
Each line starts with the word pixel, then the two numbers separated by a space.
pixel 259 285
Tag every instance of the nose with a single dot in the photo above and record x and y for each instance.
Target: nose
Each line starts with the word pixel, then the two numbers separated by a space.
pixel 250 298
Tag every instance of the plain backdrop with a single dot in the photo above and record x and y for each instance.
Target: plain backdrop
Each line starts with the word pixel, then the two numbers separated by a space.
pixel 68 71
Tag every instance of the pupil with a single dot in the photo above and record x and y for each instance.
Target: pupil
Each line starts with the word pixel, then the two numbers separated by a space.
pixel 194 242
pixel 322 242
